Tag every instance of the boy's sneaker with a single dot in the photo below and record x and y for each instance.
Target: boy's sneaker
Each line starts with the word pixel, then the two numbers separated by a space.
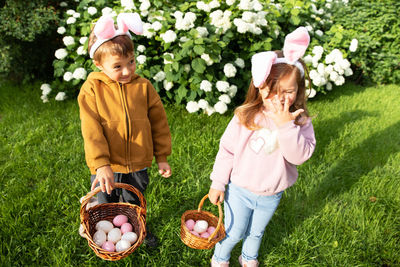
pixel 214 263
pixel 151 240
pixel 252 263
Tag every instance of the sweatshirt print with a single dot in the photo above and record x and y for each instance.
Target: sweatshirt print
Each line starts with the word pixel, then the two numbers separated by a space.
pixel 263 161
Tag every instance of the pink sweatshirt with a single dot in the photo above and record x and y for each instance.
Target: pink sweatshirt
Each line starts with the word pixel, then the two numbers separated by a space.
pixel 262 161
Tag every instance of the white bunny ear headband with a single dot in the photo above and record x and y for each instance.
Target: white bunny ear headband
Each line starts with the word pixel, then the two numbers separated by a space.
pixel 105 30
pixel 294 48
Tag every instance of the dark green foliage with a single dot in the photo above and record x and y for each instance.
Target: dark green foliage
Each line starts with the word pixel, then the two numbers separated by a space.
pixel 376 25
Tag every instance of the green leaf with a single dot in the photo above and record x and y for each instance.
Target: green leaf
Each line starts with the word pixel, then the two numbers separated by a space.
pixel 198 49
pixel 198 65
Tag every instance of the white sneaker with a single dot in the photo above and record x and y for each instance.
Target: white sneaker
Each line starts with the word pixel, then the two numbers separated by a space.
pixel 252 263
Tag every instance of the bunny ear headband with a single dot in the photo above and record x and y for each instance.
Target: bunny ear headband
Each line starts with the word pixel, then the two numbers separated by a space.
pixel 294 48
pixel 105 30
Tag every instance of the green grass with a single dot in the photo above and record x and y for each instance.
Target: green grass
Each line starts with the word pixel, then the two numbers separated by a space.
pixel 343 210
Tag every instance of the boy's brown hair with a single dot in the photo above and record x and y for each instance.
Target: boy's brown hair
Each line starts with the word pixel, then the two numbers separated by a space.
pixel 121 45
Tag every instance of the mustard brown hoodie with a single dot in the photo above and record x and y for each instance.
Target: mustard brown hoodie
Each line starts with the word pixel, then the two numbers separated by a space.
pixel 123 125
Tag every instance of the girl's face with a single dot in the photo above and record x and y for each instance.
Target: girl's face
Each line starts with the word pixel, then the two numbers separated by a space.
pixel 118 68
pixel 288 89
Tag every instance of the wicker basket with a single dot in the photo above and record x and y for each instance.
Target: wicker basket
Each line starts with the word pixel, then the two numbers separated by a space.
pixel 197 242
pixel 136 216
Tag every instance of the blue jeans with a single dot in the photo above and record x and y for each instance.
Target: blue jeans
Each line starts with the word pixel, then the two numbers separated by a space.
pixel 246 216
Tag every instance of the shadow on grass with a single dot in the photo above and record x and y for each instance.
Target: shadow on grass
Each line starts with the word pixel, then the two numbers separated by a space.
pixel 339 178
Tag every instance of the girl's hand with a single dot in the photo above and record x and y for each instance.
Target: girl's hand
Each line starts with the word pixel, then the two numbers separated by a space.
pixel 279 112
pixel 105 177
pixel 164 169
pixel 216 196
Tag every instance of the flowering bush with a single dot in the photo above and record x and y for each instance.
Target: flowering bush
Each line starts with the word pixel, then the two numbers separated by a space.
pixel 197 53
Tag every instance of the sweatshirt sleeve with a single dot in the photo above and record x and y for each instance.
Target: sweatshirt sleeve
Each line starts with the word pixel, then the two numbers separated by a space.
pixel 224 160
pixel 159 126
pixel 96 147
pixel 297 143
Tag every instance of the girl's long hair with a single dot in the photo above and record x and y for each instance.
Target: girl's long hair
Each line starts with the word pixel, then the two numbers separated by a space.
pixel 253 103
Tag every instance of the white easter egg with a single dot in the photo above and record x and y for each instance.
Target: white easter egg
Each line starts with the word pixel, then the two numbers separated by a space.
pixel 104 225
pixel 200 226
pixel 122 245
pixel 130 236
pixel 99 237
pixel 114 235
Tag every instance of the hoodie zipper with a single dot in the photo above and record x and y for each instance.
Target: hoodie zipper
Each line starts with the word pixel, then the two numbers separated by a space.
pixel 127 153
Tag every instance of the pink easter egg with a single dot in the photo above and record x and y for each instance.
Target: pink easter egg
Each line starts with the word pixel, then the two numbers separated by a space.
pixel 211 229
pixel 194 233
pixel 109 246
pixel 126 227
pixel 205 235
pixel 120 220
pixel 190 224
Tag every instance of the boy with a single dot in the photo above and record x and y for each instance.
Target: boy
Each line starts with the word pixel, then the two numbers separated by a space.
pixel 124 124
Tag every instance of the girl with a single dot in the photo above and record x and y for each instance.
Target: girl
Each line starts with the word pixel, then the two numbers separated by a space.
pixel 268 136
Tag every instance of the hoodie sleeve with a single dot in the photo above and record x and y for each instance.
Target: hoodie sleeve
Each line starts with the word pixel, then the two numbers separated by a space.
pixel 297 143
pixel 96 147
pixel 224 160
pixel 159 125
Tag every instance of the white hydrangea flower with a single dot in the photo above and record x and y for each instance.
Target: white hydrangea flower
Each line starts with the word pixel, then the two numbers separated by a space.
pixel 168 85
pixel 83 40
pixel 344 63
pixel 68 76
pixel 206 86
pixel 337 67
pixel 318 50
pixel 319 32
pixel 245 5
pixel 145 5
pixel 222 86
pixel 169 36
pixel 203 104
pixel 141 48
pixel 44 98
pixel 328 70
pixel 220 107
pixel 317 81
pixel 329 86
pixel 92 10
pixel 336 54
pixel 203 32
pixel 71 20
pixel 128 4
pixel 183 39
pixel 146 30
pixel 68 40
pixel 77 15
pixel 307 83
pixel 309 28
pixel 308 59
pixel 156 26
pixel 232 90
pixel 230 2
pixel 311 93
pixel 61 53
pixel 321 69
pixel 184 22
pixel 239 62
pixel 229 70
pixel 209 110
pixel 225 98
pixel 214 4
pixel 79 74
pixel 61 30
pixel 46 89
pixel 187 68
pixel 333 76
pixel 63 4
pixel 70 12
pixel 192 107
pixel 315 60
pixel 166 61
pixel 353 45
pixel 348 72
pixel 313 74
pixel 339 81
pixel 203 6
pixel 61 96
pixel 141 59
pixel 207 59
pixel 107 11
pixel 81 50
pixel 221 20
pixel 160 76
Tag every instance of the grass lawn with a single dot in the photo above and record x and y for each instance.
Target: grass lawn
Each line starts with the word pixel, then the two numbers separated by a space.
pixel 343 211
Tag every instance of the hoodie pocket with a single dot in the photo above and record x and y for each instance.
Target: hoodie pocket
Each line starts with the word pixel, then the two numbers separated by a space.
pixel 114 133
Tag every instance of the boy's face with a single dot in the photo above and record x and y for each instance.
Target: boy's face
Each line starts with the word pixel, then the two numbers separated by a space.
pixel 118 68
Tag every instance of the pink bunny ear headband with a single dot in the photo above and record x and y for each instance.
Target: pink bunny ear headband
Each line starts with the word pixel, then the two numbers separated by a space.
pixel 294 48
pixel 105 30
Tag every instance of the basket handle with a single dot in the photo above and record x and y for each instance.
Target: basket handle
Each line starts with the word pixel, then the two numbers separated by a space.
pixel 129 187
pixel 219 216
